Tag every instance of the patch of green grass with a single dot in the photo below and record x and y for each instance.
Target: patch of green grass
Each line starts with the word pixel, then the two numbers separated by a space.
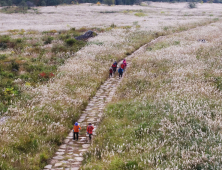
pixel 140 14
pixel 3 56
pixel 162 45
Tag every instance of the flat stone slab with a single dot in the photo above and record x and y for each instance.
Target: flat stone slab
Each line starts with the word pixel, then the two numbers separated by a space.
pixel 82 139
pixel 76 168
pixel 58 157
pixel 91 119
pixel 76 163
pixel 79 159
pixel 48 167
pixel 86 146
pixel 58 164
pixel 60 153
pixel 88 109
pixel 66 141
pixel 63 146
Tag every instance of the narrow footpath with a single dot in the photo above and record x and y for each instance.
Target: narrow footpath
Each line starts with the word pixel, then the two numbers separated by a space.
pixel 70 154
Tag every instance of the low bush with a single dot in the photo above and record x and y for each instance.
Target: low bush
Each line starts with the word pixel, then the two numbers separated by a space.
pixel 71 41
pixel 3 56
pixel 48 40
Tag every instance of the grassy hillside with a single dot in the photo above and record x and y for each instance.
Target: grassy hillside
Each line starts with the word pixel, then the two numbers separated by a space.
pixel 30 58
pixel 45 113
pixel 167 113
pixel 53 79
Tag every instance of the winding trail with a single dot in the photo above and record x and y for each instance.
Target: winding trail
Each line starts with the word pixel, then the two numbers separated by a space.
pixel 69 156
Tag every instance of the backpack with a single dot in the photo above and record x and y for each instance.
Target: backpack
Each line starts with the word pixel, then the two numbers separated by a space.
pixel 120 70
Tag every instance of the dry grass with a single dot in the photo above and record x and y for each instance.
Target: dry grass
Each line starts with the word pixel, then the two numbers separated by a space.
pixel 45 114
pixel 167 113
pixel 65 17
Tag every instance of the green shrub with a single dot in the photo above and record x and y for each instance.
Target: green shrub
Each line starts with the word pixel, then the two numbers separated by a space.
pixel 43 158
pixel 14 66
pixel 24 76
pixel 4 39
pixel 218 82
pixel 48 40
pixel 71 41
pixel 10 75
pixel 113 25
pixel 3 56
pixel 19 40
pixel 2 108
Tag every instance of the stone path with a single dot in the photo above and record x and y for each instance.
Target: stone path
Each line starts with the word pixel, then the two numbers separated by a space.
pixel 70 154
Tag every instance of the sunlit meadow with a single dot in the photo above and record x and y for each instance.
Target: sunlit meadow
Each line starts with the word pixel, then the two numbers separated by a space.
pixel 166 88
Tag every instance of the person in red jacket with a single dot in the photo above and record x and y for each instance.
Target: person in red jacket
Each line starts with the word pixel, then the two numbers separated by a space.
pixel 122 66
pixel 76 129
pixel 89 130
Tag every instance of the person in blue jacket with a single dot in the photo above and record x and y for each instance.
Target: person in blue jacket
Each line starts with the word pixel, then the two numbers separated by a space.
pixel 120 71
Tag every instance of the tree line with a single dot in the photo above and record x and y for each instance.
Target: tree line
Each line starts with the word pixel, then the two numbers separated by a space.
pixel 116 2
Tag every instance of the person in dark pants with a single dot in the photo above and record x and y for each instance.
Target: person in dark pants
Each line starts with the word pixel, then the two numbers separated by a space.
pixel 110 72
pixel 89 130
pixel 76 129
pixel 114 66
pixel 120 71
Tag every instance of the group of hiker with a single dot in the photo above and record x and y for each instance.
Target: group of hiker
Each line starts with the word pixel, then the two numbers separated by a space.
pixel 121 69
pixel 112 70
pixel 76 129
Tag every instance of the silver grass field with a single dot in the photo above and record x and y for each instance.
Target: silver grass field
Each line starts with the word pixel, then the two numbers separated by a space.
pixel 166 113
